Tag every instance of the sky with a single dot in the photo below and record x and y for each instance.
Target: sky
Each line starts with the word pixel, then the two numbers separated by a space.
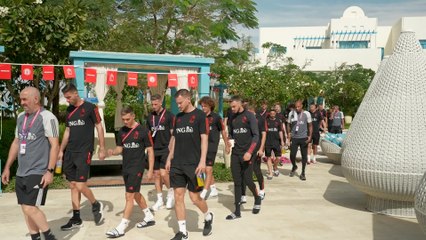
pixel 288 13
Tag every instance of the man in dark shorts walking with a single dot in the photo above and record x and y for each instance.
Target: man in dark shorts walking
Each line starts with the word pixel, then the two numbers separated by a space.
pixel 36 145
pixel 187 161
pixel 246 135
pixel 274 142
pixel 337 121
pixel 132 140
pixel 299 134
pixel 76 150
pixel 160 123
pixel 216 128
pixel 317 123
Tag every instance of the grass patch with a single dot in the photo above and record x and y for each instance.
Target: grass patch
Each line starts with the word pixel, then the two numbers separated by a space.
pixel 221 173
pixel 59 182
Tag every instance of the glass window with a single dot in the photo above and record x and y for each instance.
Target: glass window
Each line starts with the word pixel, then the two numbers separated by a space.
pixel 353 44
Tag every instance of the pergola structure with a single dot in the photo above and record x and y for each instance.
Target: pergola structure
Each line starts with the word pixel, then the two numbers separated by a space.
pixel 162 64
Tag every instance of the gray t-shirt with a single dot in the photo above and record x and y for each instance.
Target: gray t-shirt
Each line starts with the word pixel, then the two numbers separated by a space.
pixel 299 122
pixel 337 119
pixel 36 157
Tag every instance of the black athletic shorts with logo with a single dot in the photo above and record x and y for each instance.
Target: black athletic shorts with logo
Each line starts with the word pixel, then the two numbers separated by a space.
pixel 160 161
pixel 210 159
pixel 29 191
pixel 183 176
pixel 132 181
pixel 275 149
pixel 77 166
pixel 315 138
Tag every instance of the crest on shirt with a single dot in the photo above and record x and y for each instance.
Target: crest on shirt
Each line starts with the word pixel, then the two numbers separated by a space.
pixel 277 124
pixel 82 112
pixel 163 120
pixel 244 120
pixel 210 120
pixel 192 119
pixel 136 135
pixel 178 120
pixel 123 136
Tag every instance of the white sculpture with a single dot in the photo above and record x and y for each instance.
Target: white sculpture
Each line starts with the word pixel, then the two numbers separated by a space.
pixel 384 153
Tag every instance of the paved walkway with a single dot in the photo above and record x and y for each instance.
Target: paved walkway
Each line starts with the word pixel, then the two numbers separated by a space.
pixel 323 207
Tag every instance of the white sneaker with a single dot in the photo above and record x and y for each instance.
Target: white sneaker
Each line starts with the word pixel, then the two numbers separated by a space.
pixel 157 206
pixel 243 199
pixel 170 202
pixel 213 192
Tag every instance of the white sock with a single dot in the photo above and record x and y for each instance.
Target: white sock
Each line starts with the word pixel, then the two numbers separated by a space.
pixel 148 215
pixel 182 226
pixel 315 158
pixel 123 225
pixel 309 157
pixel 159 197
pixel 208 216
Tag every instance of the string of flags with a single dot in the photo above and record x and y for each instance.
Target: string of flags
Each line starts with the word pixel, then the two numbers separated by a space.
pixel 90 75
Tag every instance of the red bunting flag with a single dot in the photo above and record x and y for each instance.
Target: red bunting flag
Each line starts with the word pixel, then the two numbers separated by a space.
pixel 48 73
pixel 69 71
pixel 193 80
pixel 27 72
pixel 111 78
pixel 173 80
pixel 5 71
pixel 132 79
pixel 152 79
pixel 90 75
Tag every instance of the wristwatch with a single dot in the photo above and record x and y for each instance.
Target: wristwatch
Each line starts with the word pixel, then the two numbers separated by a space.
pixel 50 170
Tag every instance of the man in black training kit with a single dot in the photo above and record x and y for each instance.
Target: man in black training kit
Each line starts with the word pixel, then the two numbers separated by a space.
pixel 187 160
pixel 300 134
pixel 132 140
pixel 246 135
pixel 160 122
pixel 77 143
pixel 36 145
pixel 274 142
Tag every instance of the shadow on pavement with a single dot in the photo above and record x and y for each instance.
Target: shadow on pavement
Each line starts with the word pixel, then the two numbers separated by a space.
pixel 391 228
pixel 336 170
pixel 192 220
pixel 343 194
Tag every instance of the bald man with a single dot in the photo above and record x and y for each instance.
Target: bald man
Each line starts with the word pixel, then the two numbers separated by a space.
pixel 36 145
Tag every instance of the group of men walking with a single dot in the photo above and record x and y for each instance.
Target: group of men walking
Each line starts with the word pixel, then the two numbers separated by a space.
pixel 181 152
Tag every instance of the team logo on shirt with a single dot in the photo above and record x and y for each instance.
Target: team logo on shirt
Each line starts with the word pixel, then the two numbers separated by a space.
pixel 82 112
pixel 240 130
pixel 192 119
pixel 210 120
pixel 244 119
pixel 76 123
pixel 159 128
pixel 186 129
pixel 273 129
pixel 136 135
pixel 131 145
pixel 30 136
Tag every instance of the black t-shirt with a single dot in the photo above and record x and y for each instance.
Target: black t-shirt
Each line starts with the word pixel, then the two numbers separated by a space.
pixel 216 126
pixel 281 117
pixel 323 113
pixel 262 113
pixel 160 130
pixel 134 143
pixel 261 124
pixel 81 120
pixel 274 126
pixel 316 121
pixel 187 131
pixel 245 131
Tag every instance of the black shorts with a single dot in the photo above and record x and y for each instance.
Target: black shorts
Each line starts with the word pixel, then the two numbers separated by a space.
pixel 315 138
pixel 160 161
pixel 77 166
pixel 184 177
pixel 29 191
pixel 132 181
pixel 210 159
pixel 275 149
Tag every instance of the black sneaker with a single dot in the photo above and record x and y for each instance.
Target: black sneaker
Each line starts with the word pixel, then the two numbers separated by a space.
pixel 97 212
pixel 180 236
pixel 72 224
pixel 293 171
pixel 208 226
pixel 302 177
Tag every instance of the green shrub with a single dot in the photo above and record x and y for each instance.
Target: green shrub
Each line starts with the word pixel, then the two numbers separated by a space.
pixel 221 173
pixel 6 140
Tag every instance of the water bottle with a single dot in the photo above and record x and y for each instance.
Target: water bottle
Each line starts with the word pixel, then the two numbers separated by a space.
pixel 58 168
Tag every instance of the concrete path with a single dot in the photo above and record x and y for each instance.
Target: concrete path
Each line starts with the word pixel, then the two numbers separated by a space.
pixel 323 207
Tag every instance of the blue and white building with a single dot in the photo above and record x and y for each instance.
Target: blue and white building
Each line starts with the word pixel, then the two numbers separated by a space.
pixel 352 38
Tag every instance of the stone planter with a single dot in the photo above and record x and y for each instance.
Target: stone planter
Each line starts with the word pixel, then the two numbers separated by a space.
pixel 332 151
pixel 420 203
pixel 384 152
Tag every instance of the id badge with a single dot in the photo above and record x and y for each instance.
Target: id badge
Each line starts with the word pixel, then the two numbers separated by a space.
pixel 153 133
pixel 297 129
pixel 22 148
